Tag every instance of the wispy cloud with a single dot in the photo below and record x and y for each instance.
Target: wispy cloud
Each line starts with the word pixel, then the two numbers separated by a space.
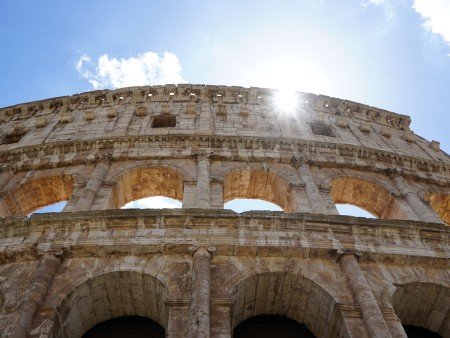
pixel 436 14
pixel 388 7
pixel 155 202
pixel 144 69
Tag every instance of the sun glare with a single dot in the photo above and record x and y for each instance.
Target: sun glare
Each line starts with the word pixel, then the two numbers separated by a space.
pixel 286 101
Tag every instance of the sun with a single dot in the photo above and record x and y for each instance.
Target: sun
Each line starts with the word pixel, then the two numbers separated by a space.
pixel 286 102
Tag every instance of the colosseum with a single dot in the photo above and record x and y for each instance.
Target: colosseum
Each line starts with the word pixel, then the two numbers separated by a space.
pixel 96 270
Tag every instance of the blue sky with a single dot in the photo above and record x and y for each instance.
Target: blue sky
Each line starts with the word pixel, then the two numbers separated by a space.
pixel 390 54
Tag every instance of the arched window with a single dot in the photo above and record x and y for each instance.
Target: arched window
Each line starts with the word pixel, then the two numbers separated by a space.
pixel 154 202
pixel 141 183
pixel 352 210
pixel 37 193
pixel 366 195
pixel 249 204
pixel 258 184
pixel 55 207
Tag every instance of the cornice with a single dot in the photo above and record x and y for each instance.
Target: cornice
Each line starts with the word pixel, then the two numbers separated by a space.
pixel 110 232
pixel 198 93
pixel 321 154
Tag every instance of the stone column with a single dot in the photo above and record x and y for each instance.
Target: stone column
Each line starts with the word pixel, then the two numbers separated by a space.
pixel 372 316
pixel 203 182
pixel 395 325
pixel 92 187
pixel 422 211
pixel 312 192
pixel 199 325
pixel 36 292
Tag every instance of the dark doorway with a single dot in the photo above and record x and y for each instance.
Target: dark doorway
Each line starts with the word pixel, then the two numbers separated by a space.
pixel 270 326
pixel 419 332
pixel 131 327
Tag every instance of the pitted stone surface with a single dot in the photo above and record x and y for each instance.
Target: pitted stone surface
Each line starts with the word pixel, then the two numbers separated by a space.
pixel 201 270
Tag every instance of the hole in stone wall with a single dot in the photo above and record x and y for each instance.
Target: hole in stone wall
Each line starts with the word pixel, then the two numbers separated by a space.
pixel 353 210
pixel 322 129
pixel 55 207
pixel 251 204
pixel 154 202
pixel 164 121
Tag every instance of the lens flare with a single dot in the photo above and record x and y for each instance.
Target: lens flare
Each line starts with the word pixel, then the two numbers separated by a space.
pixel 286 102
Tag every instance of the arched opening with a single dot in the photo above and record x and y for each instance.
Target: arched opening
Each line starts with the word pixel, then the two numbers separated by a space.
pixel 154 202
pixel 129 326
pixel 440 203
pixel 258 184
pixel 366 195
pixel 249 204
pixel 289 295
pixel 37 193
pixel 107 296
pixel 353 210
pixel 140 183
pixel 55 207
pixel 269 326
pixel 419 332
pixel 423 305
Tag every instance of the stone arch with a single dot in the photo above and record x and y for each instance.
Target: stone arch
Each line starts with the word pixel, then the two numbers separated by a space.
pixel 423 304
pixel 440 203
pixel 367 194
pixel 38 192
pixel 143 182
pixel 259 184
pixel 108 295
pixel 288 294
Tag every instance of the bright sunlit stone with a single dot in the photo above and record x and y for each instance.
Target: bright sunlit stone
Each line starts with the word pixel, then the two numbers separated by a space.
pixel 285 101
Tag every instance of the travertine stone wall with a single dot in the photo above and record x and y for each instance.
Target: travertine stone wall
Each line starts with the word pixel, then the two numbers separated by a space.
pixel 200 271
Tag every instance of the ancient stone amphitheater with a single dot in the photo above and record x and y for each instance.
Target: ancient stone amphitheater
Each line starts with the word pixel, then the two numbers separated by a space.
pixel 202 270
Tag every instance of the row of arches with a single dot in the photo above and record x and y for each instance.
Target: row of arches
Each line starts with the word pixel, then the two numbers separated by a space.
pixel 281 303
pixel 265 185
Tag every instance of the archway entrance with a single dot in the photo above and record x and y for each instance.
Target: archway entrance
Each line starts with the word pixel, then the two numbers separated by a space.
pixel 268 326
pixel 129 326
pixel 419 332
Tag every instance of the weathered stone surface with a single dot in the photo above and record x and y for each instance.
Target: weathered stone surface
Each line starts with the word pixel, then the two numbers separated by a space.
pixel 204 146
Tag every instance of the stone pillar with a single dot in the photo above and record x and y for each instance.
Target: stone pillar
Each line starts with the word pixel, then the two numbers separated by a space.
pixel 92 187
pixel 300 202
pixel 177 317
pixel 372 316
pixel 36 292
pixel 422 211
pixel 203 182
pixel 198 325
pixel 312 192
pixel 395 325
pixel 189 194
pixel 221 318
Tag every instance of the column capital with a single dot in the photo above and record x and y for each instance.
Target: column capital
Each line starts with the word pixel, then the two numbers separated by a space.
pixel 394 172
pixel 202 250
pixel 348 252
pixel 298 161
pixel 203 154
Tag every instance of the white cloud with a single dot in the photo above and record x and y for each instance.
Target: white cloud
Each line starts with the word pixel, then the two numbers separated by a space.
pixel 154 202
pixel 144 69
pixel 437 16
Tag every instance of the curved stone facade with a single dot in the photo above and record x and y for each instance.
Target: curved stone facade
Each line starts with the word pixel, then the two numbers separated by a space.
pixel 200 271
